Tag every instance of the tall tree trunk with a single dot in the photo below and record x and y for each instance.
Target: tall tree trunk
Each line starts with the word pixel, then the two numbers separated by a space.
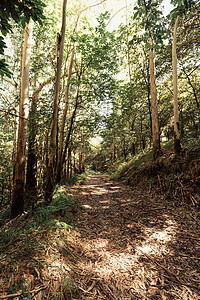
pixel 128 57
pixel 147 82
pixel 14 146
pixel 17 206
pixel 83 153
pixel 149 103
pixel 154 108
pixel 60 153
pixel 193 88
pixel 177 145
pixel 114 149
pixel 62 128
pixel 71 126
pixel 80 162
pixel 31 173
pixel 52 151
pixel 68 171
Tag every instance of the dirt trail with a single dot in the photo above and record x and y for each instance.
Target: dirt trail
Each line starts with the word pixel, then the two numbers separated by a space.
pixel 133 246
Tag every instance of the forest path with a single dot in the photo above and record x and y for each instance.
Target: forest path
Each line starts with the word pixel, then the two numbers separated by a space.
pixel 133 246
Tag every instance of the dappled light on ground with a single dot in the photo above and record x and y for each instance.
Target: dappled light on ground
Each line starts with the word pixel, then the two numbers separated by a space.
pixel 128 246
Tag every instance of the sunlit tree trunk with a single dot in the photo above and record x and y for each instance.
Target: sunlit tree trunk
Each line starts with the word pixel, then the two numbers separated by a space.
pixel 17 205
pixel 52 149
pixel 154 108
pixel 177 145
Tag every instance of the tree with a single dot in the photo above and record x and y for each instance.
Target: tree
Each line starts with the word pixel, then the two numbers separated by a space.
pixel 154 108
pixel 154 33
pixel 177 145
pixel 17 206
pixel 60 153
pixel 19 11
pixel 178 11
pixel 52 150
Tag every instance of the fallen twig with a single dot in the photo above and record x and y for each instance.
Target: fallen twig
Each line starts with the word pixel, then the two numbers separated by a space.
pixel 35 291
pixel 170 274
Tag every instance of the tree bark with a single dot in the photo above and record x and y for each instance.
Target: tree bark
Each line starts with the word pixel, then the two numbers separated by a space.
pixel 154 108
pixel 17 206
pixel 177 145
pixel 62 128
pixel 114 149
pixel 193 88
pixel 52 150
pixel 31 173
pixel 83 153
pixel 60 153
pixel 70 127
pixel 128 57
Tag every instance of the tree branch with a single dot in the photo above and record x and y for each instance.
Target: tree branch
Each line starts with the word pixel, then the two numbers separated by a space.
pixel 115 15
pixel 15 84
pixel 35 291
pixel 92 6
pixel 15 115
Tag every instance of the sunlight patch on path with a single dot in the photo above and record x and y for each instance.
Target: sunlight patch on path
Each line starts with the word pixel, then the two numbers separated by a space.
pixel 108 262
pixel 157 241
pixel 126 244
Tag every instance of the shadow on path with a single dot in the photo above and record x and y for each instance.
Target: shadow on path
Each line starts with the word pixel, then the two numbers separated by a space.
pixel 132 246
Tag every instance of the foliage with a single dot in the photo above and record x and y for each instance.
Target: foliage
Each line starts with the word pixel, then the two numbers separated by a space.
pixel 151 19
pixel 110 104
pixel 176 179
pixel 20 12
pixel 31 243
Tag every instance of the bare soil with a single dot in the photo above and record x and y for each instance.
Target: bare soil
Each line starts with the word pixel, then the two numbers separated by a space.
pixel 133 245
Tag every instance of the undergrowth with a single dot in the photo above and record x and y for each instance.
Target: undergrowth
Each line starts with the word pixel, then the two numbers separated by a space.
pixel 79 179
pixel 31 247
pixel 176 179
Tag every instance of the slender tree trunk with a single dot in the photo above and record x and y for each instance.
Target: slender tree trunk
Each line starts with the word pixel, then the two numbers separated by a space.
pixel 14 146
pixel 154 108
pixel 60 153
pixel 133 149
pixel 74 162
pixel 68 172
pixel 83 154
pixel 80 161
pixel 17 206
pixel 70 127
pixel 149 103
pixel 62 128
pixel 114 149
pixel 128 57
pixel 124 148
pixel 193 88
pixel 52 151
pixel 177 145
pixel 31 174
